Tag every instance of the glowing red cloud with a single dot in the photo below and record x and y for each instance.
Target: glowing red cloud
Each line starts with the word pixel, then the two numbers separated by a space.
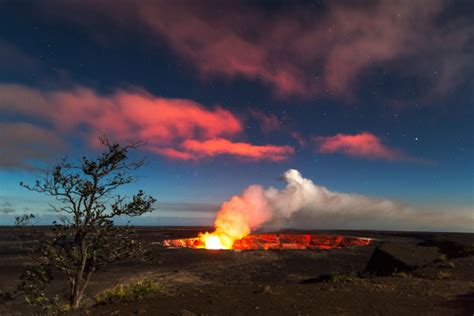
pixel 123 114
pixel 175 128
pixel 364 145
pixel 173 153
pixel 221 146
pixel 195 149
pixel 159 120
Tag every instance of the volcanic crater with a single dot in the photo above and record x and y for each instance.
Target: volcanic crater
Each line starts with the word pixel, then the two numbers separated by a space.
pixel 278 241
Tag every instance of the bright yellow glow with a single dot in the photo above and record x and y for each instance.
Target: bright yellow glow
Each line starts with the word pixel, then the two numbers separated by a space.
pixel 215 241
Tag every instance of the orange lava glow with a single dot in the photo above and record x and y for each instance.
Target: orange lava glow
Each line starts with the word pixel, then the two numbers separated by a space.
pixel 214 241
pixel 270 241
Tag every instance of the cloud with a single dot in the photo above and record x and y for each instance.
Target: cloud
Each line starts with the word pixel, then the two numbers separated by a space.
pixel 194 150
pixel 304 204
pixel 183 209
pixel 6 208
pixel 123 113
pixel 362 145
pixel 13 59
pixel 187 207
pixel 268 123
pixel 220 146
pixel 21 144
pixel 298 138
pixel 175 128
pixel 299 51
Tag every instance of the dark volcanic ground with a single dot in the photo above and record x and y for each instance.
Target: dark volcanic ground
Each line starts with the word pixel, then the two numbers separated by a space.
pixel 439 277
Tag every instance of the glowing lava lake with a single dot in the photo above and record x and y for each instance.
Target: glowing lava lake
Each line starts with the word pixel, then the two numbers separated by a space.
pixel 276 241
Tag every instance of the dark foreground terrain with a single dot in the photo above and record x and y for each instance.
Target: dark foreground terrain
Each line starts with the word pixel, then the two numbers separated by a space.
pixel 399 274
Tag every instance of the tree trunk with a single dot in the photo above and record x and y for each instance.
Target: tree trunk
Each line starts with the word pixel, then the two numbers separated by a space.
pixel 74 300
pixel 84 286
pixel 77 290
pixel 71 291
pixel 74 296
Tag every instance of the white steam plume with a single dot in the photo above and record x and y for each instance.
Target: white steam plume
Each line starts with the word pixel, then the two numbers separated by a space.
pixel 303 204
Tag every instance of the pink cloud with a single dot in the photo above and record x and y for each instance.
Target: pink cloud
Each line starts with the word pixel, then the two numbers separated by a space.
pixel 363 145
pixel 220 146
pixel 195 150
pixel 297 52
pixel 174 128
pixel 173 153
pixel 123 113
pixel 298 138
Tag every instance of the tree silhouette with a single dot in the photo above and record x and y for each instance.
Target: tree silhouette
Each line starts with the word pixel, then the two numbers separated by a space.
pixel 85 239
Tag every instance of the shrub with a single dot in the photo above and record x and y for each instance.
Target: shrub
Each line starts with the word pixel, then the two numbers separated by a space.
pixel 137 291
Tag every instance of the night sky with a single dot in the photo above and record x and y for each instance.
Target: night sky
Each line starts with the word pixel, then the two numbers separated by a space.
pixel 367 97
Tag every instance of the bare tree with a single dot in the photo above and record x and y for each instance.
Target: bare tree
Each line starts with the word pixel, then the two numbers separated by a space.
pixel 86 239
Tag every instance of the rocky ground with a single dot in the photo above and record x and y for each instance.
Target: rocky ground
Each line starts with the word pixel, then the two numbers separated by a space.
pixel 399 274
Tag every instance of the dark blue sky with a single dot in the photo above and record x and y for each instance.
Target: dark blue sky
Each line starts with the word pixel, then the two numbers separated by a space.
pixel 374 98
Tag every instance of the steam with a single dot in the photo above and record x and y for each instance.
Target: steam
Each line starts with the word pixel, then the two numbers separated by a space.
pixel 303 204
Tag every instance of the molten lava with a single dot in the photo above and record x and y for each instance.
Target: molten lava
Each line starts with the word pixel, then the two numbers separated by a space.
pixel 271 241
pixel 214 241
pixel 218 239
